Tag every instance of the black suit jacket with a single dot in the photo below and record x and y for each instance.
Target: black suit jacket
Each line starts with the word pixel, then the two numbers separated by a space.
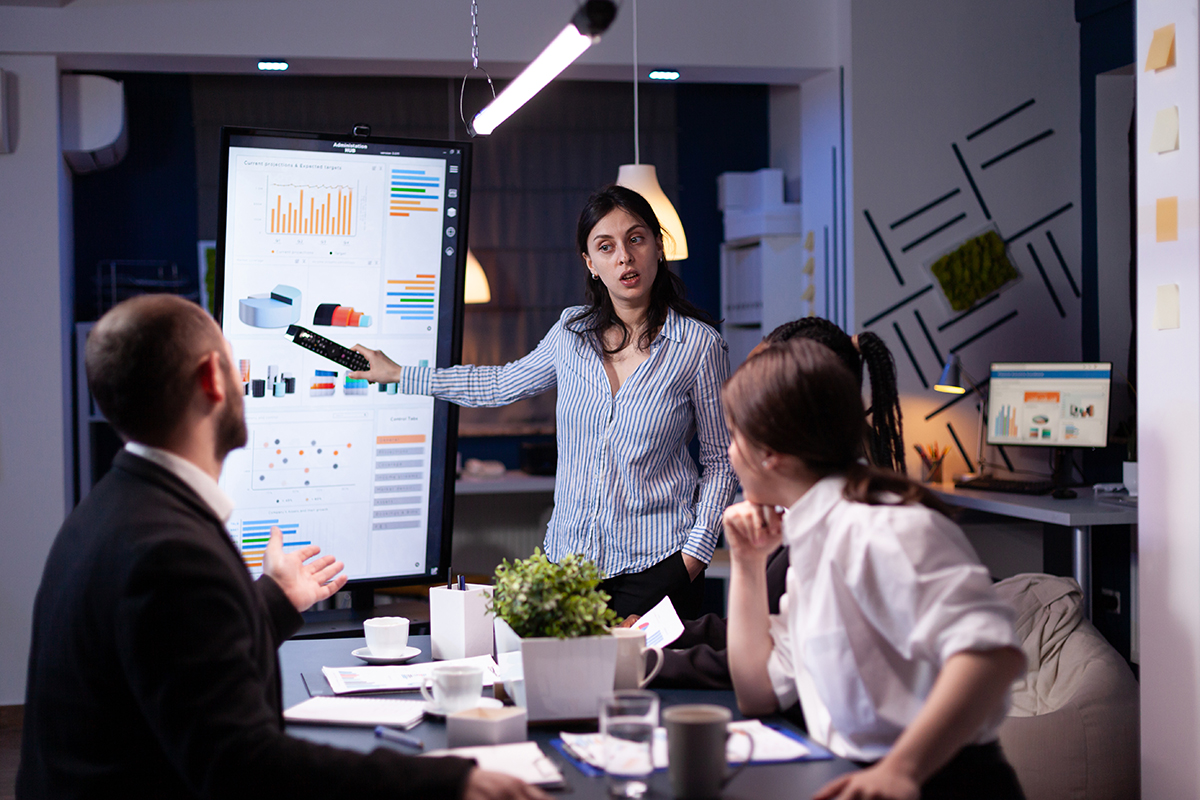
pixel 698 658
pixel 154 673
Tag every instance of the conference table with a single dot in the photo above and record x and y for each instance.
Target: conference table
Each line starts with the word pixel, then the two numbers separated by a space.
pixel 300 658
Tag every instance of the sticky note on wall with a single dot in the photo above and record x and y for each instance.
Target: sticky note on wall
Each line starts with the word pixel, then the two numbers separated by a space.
pixel 1166 307
pixel 1165 137
pixel 1162 49
pixel 1166 219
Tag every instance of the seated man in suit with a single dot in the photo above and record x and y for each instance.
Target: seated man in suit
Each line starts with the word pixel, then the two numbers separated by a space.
pixel 153 670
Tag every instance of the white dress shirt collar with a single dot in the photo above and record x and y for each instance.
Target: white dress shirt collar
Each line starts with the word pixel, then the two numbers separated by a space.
pixel 196 479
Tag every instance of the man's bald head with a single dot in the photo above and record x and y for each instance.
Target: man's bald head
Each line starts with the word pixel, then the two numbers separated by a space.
pixel 142 360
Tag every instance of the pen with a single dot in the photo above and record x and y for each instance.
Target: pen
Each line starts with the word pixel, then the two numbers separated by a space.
pixel 392 735
pixel 462 583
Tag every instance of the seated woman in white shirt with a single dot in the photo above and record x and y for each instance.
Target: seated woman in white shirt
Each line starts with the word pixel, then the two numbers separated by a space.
pixel 889 633
pixel 639 373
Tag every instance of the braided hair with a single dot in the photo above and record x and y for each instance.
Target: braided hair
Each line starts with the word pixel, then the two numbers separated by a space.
pixel 885 436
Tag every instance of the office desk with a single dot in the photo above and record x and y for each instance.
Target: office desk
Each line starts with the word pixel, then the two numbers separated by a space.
pixel 760 782
pixel 1081 514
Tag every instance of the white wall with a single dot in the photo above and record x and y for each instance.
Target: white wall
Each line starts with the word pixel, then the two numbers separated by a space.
pixel 926 74
pixel 1168 423
pixel 35 428
pixel 770 36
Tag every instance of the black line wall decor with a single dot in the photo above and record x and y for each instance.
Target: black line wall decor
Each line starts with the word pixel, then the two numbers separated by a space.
pixel 1000 119
pixel 928 336
pixel 1062 262
pixel 891 261
pixel 1040 222
pixel 981 333
pixel 1046 280
pixel 1016 148
pixel 868 323
pixel 911 356
pixel 924 208
pixel 962 451
pixel 933 232
pixel 962 163
pixel 968 312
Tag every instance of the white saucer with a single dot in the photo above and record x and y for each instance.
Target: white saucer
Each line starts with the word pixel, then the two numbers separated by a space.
pixel 484 702
pixel 365 654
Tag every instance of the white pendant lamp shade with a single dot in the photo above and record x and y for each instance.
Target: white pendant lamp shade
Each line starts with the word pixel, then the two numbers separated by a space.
pixel 643 179
pixel 476 288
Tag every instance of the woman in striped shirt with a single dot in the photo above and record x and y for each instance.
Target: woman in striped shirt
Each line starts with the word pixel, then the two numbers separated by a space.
pixel 639 372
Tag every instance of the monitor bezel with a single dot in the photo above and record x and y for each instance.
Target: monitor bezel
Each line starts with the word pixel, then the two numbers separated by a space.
pixel 445 416
pixel 1049 445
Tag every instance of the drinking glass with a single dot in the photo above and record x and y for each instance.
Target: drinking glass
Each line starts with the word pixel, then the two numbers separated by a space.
pixel 627 722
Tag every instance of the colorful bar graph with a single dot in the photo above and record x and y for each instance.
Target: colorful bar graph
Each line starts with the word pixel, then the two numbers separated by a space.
pixel 414 190
pixel 412 299
pixel 312 210
pixel 256 533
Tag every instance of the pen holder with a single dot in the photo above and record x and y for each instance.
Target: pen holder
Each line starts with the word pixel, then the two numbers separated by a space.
pixel 459 622
pixel 931 472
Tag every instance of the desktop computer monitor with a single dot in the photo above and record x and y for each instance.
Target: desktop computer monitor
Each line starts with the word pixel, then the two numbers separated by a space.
pixel 361 240
pixel 1049 404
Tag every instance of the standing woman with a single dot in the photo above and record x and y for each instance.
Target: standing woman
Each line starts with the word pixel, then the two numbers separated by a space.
pixel 639 373
pixel 889 634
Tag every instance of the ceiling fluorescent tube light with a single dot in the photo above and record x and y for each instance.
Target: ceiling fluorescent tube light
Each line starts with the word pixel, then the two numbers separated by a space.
pixel 584 30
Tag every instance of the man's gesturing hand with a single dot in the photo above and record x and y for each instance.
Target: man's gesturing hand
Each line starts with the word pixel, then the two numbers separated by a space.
pixel 303 583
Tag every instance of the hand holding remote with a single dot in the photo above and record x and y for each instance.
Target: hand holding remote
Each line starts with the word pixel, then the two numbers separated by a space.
pixel 382 369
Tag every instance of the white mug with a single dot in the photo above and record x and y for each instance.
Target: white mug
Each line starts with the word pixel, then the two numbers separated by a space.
pixel 453 688
pixel 631 659
pixel 387 637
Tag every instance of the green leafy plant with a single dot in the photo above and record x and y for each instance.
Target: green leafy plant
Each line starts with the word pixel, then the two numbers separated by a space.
pixel 537 597
pixel 973 270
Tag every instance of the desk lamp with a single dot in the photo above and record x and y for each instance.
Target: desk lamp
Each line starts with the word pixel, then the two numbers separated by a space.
pixel 951 382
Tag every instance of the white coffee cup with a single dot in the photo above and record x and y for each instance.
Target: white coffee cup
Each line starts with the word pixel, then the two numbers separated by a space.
pixel 453 688
pixel 387 637
pixel 631 659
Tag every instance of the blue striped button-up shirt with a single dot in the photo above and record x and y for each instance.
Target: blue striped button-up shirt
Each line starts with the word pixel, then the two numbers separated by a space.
pixel 628 493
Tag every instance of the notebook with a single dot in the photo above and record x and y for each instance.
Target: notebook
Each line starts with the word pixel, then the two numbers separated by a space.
pixel 366 711
pixel 524 760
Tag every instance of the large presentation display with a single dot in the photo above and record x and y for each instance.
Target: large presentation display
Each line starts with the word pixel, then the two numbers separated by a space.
pixel 1051 405
pixel 362 241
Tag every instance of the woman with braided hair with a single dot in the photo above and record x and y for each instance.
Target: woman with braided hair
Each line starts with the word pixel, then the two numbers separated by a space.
pixel 697 659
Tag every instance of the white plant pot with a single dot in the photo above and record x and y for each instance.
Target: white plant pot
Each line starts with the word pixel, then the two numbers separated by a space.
pixel 563 678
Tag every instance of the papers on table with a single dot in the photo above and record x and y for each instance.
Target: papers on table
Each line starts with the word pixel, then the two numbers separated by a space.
pixel 357 711
pixel 769 746
pixel 406 677
pixel 661 624
pixel 524 760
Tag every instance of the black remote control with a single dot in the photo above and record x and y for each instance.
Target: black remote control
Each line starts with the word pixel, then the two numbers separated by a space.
pixel 328 348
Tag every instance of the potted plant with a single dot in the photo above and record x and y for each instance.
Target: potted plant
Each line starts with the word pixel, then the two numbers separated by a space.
pixel 559 620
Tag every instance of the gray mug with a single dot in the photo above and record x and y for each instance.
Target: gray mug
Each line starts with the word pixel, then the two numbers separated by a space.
pixel 696 737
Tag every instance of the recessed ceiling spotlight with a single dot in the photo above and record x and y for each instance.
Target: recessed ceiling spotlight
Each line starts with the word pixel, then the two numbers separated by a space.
pixel 664 75
pixel 272 66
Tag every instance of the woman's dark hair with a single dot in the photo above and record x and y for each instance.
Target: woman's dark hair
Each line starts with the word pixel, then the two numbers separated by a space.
pixel 797 397
pixel 885 435
pixel 667 291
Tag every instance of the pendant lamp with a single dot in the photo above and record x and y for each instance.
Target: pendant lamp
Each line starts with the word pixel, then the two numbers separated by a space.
pixel 643 178
pixel 475 288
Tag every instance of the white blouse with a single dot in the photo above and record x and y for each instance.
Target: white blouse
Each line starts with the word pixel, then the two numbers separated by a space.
pixel 878 597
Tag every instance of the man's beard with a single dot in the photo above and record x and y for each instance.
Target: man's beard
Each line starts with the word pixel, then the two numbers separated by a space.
pixel 231 427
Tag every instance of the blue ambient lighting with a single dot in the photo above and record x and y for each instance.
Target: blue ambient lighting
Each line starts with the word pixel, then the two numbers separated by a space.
pixel 273 66
pixel 664 75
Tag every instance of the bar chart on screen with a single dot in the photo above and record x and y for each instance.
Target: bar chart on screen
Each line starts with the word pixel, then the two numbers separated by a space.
pixel 414 191
pixel 312 209
pixel 253 534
